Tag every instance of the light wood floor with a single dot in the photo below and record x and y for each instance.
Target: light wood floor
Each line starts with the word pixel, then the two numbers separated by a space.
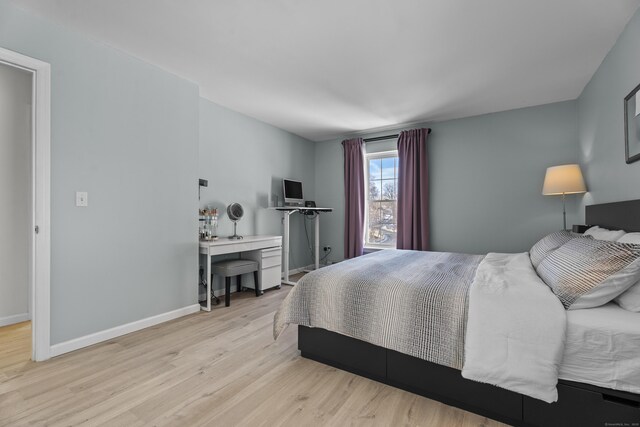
pixel 15 347
pixel 221 369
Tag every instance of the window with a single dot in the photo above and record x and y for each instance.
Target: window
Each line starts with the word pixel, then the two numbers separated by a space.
pixel 382 199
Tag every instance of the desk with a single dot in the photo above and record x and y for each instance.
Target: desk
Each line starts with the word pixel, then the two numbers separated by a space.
pixel 250 245
pixel 288 211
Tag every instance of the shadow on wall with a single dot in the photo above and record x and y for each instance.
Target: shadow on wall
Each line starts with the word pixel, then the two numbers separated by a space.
pixel 262 213
pixel 257 219
pixel 277 196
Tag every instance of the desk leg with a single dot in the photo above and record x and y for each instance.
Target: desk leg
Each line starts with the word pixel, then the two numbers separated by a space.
pixel 208 270
pixel 317 240
pixel 286 280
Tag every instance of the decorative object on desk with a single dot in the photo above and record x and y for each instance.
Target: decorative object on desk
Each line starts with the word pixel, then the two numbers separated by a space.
pixel 563 180
pixel 632 125
pixel 235 213
pixel 209 224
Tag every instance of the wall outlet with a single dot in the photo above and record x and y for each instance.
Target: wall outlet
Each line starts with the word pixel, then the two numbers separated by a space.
pixel 82 199
pixel 327 248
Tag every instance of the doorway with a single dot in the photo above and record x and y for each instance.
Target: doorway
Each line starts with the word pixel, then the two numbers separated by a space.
pixel 15 213
pixel 24 208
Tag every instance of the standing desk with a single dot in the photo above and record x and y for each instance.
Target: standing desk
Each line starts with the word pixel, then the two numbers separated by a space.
pixel 287 212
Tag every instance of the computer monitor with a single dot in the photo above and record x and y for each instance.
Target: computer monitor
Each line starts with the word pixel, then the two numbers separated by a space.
pixel 292 192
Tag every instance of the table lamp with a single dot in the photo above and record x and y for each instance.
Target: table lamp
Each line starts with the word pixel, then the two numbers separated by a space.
pixel 563 180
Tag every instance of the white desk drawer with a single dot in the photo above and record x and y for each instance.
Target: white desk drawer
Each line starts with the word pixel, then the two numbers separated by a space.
pixel 270 277
pixel 273 261
pixel 226 246
pixel 271 252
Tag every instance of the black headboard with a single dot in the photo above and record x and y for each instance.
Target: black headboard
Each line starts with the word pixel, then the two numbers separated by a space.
pixel 615 216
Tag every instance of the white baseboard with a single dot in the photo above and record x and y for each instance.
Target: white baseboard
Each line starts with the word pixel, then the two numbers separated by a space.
pixel 15 318
pixel 301 269
pixel 95 338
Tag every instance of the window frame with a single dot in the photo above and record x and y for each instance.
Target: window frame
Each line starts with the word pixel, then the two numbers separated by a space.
pixel 368 157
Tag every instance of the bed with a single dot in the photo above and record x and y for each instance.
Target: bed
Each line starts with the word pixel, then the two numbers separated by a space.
pixel 592 388
pixel 592 335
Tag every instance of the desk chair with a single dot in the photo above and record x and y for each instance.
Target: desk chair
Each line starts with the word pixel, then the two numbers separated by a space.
pixel 232 268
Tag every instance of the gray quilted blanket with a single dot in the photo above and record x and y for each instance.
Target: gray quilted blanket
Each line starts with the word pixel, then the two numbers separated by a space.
pixel 409 301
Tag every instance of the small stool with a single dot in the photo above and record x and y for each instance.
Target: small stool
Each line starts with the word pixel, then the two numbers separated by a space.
pixel 232 268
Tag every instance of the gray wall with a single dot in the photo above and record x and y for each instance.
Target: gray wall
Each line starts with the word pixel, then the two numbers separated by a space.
pixel 15 189
pixel 245 161
pixel 126 132
pixel 486 175
pixel 601 122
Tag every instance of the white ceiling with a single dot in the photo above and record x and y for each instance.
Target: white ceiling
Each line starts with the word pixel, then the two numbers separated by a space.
pixel 325 68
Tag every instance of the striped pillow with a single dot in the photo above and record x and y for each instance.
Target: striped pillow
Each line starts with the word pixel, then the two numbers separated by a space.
pixel 586 273
pixel 548 244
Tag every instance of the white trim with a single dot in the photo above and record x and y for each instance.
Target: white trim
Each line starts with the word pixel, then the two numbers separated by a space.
pixel 41 175
pixel 381 155
pixel 370 249
pixel 293 271
pixel 309 267
pixel 15 318
pixel 377 247
pixel 98 337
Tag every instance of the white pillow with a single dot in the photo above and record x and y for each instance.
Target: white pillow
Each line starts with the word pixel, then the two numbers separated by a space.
pixel 604 234
pixel 630 299
pixel 630 238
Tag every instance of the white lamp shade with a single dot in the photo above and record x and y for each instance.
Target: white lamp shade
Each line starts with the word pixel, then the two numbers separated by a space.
pixel 563 179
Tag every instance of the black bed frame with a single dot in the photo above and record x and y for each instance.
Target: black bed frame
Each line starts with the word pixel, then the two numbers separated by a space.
pixel 578 404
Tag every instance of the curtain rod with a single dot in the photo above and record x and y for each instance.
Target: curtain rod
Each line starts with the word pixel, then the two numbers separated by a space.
pixel 382 138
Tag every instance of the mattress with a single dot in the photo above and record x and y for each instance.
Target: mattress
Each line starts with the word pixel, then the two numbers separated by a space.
pixel 603 348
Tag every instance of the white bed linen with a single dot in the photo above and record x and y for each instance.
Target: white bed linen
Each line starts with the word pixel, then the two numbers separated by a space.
pixel 603 348
pixel 515 329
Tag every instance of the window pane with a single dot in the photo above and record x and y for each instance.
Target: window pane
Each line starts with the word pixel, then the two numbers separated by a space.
pixel 387 223
pixel 373 235
pixel 374 190
pixel 375 168
pixel 388 189
pixel 388 168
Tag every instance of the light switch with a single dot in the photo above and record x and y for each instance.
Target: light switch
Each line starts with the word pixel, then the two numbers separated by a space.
pixel 82 198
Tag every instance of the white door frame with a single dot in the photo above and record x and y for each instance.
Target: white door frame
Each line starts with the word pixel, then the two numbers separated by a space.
pixel 40 262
